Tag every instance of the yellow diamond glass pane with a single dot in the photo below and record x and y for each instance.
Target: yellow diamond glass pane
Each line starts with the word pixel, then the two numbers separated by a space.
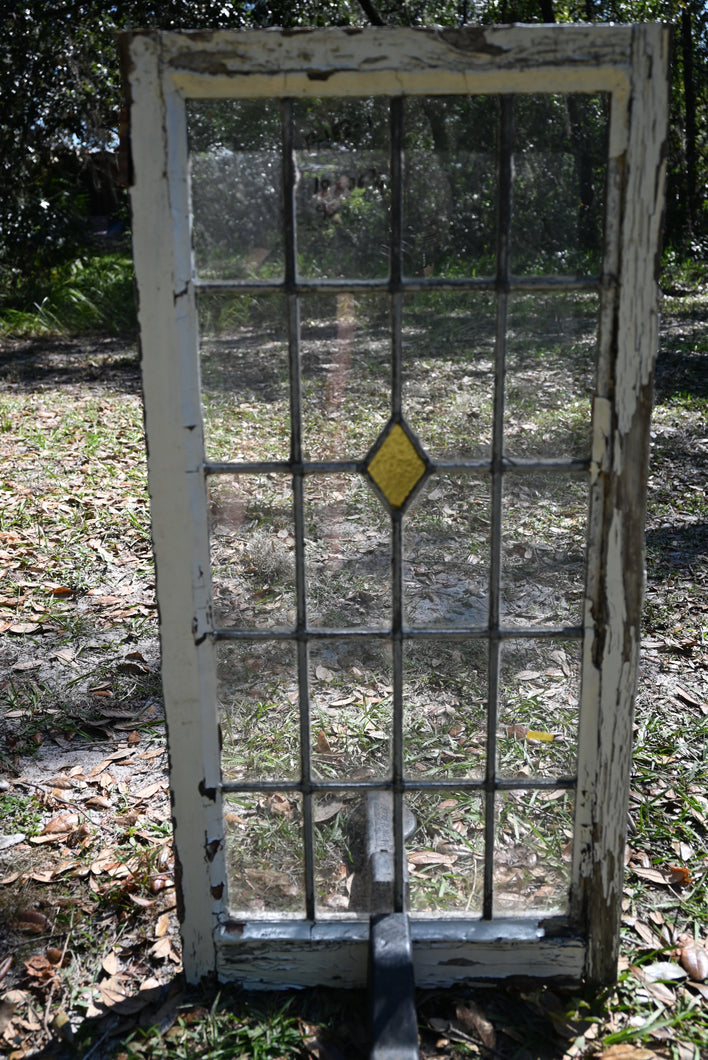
pixel 396 467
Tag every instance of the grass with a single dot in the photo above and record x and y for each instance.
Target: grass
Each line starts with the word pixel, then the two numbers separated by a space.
pixel 74 537
pixel 94 292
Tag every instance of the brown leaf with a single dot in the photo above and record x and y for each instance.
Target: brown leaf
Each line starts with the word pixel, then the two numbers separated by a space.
pixel 325 811
pixel 431 857
pixel 322 746
pixel 694 959
pixel 32 922
pixel 111 964
pixel 39 967
pixel 65 822
pixel 144 903
pixel 162 926
pixel 625 1051
pixel 149 791
pixel 472 1019
pixel 60 782
pixel 6 1010
pixel 671 876
pixel 161 949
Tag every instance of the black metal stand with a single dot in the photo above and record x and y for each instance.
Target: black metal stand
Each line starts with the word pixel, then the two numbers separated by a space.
pixel 394 1024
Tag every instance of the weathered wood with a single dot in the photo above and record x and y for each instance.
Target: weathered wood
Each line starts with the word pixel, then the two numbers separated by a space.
pixel 177 498
pixel 613 611
pixel 445 953
pixel 629 63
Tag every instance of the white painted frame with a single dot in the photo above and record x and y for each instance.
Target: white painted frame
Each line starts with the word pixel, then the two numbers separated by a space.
pixel 165 69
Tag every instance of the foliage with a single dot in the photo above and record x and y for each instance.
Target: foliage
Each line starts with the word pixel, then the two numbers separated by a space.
pixel 62 97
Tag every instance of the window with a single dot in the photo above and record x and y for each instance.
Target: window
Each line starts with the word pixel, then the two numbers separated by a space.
pixel 398 327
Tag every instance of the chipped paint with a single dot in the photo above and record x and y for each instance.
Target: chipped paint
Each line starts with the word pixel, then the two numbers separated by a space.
pixel 627 62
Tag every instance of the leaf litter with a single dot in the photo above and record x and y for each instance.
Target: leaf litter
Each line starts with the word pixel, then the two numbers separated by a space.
pixel 89 950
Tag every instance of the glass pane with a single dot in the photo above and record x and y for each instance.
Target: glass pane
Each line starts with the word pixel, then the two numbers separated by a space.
pixel 236 185
pixel 550 374
pixel 446 548
pixel 252 551
pixel 446 854
pixel 342 193
pixel 258 710
pixel 559 175
pixel 263 855
pixel 346 373
pixel 449 198
pixel 340 841
pixel 351 687
pixel 448 372
pixel 539 708
pixel 347 554
pixel 445 709
pixel 534 849
pixel 245 377
pixel 543 541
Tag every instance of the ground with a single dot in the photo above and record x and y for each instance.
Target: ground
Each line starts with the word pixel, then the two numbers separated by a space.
pixel 89 946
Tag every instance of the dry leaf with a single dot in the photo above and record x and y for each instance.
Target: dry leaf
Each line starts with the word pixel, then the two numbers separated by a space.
pixel 472 1019
pixel 65 822
pixel 431 857
pixel 322 746
pixel 162 926
pixel 625 1051
pixel 672 876
pixel 32 922
pixel 161 949
pixel 111 964
pixel 39 967
pixel 279 805
pixel 695 961
pixel 325 811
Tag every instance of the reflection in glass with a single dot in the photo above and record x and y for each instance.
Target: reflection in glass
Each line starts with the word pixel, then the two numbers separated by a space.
pixel 445 710
pixel 533 852
pixel 445 854
pixel 264 855
pixel 258 710
pixel 450 186
pixel 343 186
pixel 236 187
pixel 543 549
pixel 252 551
pixel 243 359
pixel 346 373
pixel 446 550
pixel 539 690
pixel 351 704
pixel 347 554
pixel 559 176
pixel 340 855
pixel 448 372
pixel 550 374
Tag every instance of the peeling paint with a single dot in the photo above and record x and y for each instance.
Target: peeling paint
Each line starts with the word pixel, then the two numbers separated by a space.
pixel 627 62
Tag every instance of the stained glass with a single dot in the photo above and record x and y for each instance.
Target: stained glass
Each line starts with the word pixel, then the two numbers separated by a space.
pixel 397 465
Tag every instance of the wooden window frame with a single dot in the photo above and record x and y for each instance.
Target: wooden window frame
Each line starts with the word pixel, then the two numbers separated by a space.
pixel 163 71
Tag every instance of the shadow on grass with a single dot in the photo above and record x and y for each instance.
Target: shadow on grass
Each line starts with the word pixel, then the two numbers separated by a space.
pixel 35 364
pixel 174 1021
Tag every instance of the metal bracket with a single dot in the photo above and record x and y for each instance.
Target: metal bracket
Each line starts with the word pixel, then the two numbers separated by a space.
pixel 394 1024
pixel 372 889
